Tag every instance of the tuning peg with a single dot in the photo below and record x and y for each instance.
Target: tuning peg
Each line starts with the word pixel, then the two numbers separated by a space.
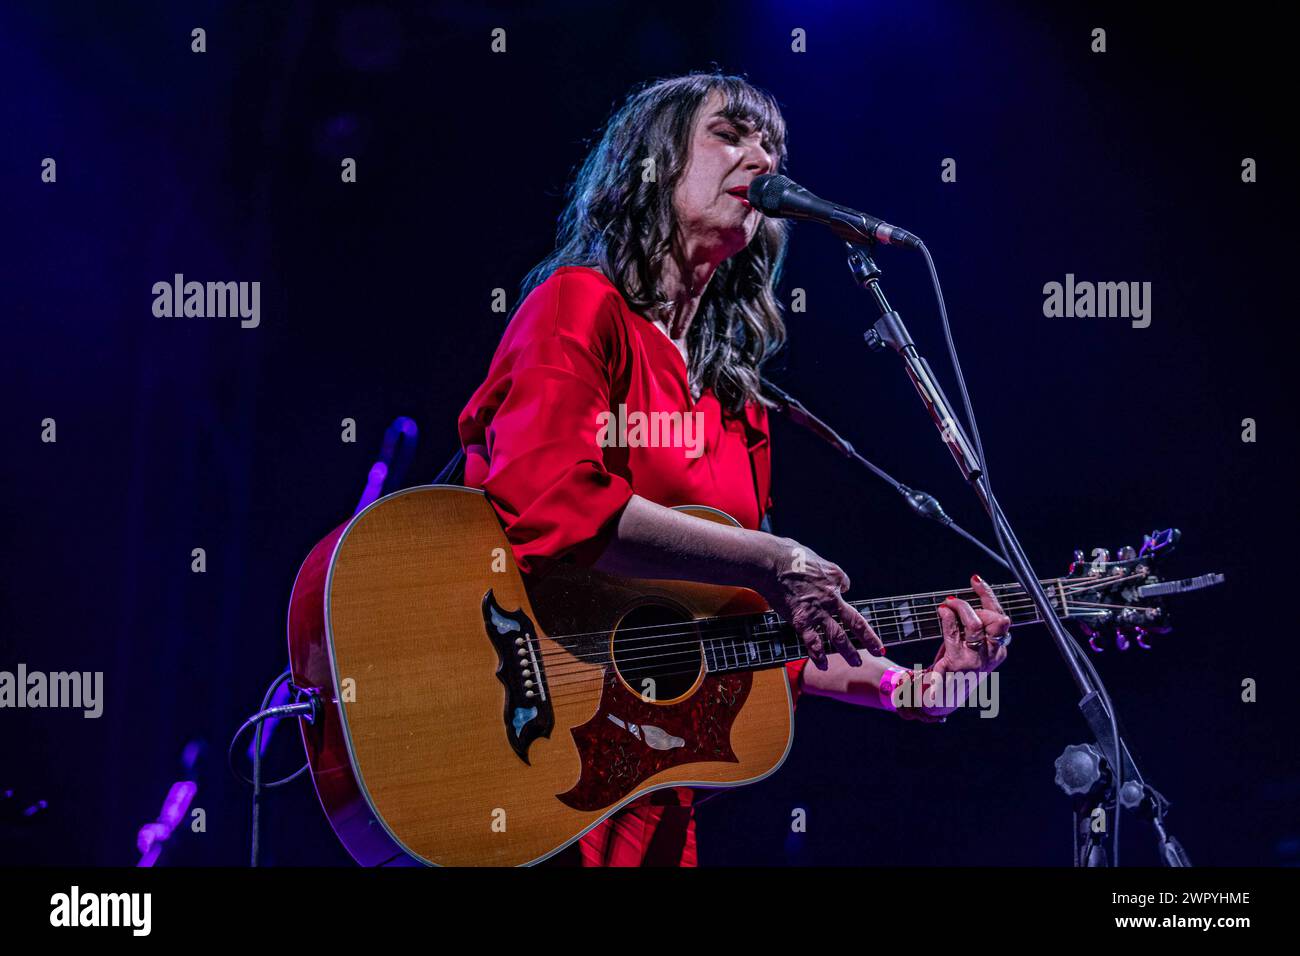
pixel 1099 633
pixel 1092 636
pixel 1160 540
pixel 1126 553
pixel 1077 564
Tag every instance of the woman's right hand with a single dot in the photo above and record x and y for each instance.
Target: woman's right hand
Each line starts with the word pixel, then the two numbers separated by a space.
pixel 805 589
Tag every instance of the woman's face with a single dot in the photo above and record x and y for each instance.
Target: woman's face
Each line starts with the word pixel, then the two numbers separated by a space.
pixel 724 155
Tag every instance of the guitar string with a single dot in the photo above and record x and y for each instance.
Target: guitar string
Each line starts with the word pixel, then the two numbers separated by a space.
pixel 910 598
pixel 1048 584
pixel 585 672
pixel 566 689
pixel 696 639
pixel 604 674
pixel 610 676
pixel 596 670
pixel 696 629
pixel 1073 585
pixel 727 627
pixel 582 662
pixel 557 681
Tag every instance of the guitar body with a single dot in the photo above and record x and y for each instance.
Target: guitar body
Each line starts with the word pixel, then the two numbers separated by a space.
pixel 470 719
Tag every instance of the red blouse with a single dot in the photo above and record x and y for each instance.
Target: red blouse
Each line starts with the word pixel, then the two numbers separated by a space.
pixel 532 434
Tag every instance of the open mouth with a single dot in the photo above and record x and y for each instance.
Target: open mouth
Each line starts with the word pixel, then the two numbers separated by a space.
pixel 741 192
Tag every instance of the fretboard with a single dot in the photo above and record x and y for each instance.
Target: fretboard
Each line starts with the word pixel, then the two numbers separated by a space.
pixel 753 642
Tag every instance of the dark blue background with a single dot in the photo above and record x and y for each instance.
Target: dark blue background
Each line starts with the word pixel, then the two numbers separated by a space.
pixel 183 433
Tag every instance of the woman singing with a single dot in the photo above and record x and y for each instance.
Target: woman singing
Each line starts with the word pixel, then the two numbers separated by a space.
pixel 659 298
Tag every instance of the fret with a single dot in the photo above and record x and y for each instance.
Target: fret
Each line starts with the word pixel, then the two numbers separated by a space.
pixel 757 644
pixel 748 637
pixel 888 628
pixel 880 616
pixel 903 611
pixel 778 648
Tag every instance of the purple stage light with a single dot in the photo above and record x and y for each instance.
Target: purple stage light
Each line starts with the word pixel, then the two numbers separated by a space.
pixel 152 836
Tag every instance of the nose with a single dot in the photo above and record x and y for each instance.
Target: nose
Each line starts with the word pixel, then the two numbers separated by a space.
pixel 758 160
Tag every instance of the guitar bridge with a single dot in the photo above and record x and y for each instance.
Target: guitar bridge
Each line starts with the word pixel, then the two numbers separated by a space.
pixel 528 713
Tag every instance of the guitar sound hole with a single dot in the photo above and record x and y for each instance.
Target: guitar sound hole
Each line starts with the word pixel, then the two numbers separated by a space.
pixel 660 664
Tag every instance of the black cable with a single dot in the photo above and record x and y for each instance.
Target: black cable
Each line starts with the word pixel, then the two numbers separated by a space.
pixel 999 517
pixel 306 709
pixel 922 504
pixel 287 710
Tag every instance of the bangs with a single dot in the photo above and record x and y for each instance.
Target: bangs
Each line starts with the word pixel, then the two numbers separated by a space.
pixel 745 105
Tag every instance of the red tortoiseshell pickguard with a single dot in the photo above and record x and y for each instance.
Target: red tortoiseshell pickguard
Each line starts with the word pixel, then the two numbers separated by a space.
pixel 615 761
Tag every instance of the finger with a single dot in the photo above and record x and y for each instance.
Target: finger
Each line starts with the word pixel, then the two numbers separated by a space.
pixel 995 625
pixel 840 641
pixel 860 628
pixel 948 623
pixel 813 641
pixel 841 579
pixel 988 600
pixel 970 621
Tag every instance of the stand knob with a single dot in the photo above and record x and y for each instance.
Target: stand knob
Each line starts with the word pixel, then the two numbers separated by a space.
pixel 1131 794
pixel 1078 769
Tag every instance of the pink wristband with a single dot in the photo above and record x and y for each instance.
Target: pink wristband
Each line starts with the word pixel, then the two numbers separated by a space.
pixel 888 681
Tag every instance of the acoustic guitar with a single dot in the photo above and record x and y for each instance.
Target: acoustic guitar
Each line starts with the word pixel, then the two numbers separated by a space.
pixel 471 718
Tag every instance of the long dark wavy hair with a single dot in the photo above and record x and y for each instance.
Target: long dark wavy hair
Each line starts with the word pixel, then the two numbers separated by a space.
pixel 615 222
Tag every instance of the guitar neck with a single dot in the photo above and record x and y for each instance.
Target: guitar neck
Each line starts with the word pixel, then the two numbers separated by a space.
pixel 753 642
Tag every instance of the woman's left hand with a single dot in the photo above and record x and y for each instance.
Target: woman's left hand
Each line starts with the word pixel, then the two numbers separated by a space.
pixel 963 626
pixel 970 644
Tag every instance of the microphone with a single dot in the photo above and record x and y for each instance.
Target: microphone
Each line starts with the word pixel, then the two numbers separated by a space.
pixel 781 198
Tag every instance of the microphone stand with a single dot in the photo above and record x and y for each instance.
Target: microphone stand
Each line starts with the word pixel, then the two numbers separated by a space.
pixel 922 504
pixel 1115 764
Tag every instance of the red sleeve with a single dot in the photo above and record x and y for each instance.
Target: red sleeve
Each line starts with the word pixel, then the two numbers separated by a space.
pixel 794 670
pixel 760 454
pixel 530 430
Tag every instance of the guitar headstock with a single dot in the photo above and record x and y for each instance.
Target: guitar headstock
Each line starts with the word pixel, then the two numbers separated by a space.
pixel 1118 601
